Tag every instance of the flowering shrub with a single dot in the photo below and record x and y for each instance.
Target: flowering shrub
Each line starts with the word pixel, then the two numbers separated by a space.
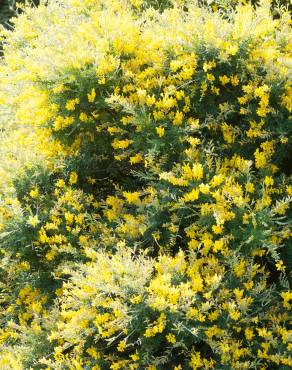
pixel 152 231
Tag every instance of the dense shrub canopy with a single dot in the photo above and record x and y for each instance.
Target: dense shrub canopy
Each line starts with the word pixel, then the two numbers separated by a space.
pixel 150 230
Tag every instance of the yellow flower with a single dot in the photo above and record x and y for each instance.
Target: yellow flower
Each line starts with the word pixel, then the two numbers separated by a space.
pixel 269 181
pixel 158 327
pixel 122 346
pixel 58 89
pixel 260 159
pixel 62 122
pixel 289 190
pixel 73 178
pixel 51 254
pixel 60 183
pixel 178 118
pixel 204 88
pixel 280 266
pixel 249 187
pixel 228 133
pixel 91 96
pixel 136 300
pixel 287 297
pixel 210 77
pixel 234 80
pixel 132 197
pixel 196 361
pixel 142 96
pixel 234 314
pixel 218 245
pixel 160 131
pixel 209 65
pixel 136 159
pixel 33 221
pixel 24 265
pixel 150 100
pixel 224 79
pixel 93 353
pixel 70 105
pixel 171 338
pixel 249 334
pixel 198 171
pixel 121 144
pixel 215 90
pixel 135 357
pixel 34 193
pixel 204 188
pixel 217 229
pixel 136 3
pixel 249 285
pixel 284 140
pixel 192 195
pixel 83 117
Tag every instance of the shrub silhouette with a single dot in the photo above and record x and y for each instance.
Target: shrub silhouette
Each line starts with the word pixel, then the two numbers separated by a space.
pixel 154 234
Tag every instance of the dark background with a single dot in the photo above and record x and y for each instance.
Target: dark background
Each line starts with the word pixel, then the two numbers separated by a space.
pixel 8 10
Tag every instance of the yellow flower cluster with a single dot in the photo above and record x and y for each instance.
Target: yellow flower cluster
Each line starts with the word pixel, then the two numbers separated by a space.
pixel 150 229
